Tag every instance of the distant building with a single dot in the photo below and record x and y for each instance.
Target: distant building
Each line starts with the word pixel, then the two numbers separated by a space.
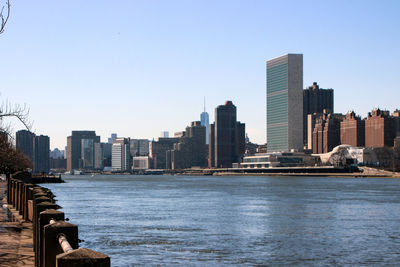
pixel 396 118
pixel 352 130
pixel 379 129
pixel 112 138
pixel 278 159
pixel 158 151
pixel 57 154
pixel 315 100
pixel 164 134
pixel 204 119
pixel 141 163
pixel 285 103
pixel 121 156
pixel 98 156
pixel 326 133
pixel 227 137
pixel 24 142
pixel 139 147
pixel 311 120
pixel 190 150
pixel 41 154
pixel 106 147
pixel 78 156
pixel 36 148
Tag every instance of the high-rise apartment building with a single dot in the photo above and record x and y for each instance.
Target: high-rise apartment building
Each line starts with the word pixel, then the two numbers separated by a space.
pixel 24 142
pixel 352 130
pixel 315 100
pixel 36 148
pixel 285 103
pixel 41 154
pixel 78 156
pixel 227 143
pixel 121 156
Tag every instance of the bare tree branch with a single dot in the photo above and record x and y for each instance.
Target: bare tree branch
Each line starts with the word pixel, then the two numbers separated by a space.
pixel 3 18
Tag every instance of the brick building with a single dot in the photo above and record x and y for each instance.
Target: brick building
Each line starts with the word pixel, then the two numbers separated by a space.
pixel 326 133
pixel 352 130
pixel 315 100
pixel 379 129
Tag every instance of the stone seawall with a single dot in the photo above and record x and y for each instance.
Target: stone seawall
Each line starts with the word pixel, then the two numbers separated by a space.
pixel 54 241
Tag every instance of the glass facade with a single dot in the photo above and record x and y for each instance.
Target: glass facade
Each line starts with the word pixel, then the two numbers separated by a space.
pixel 277 106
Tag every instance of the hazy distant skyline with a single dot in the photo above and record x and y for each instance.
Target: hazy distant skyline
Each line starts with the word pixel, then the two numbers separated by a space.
pixel 137 68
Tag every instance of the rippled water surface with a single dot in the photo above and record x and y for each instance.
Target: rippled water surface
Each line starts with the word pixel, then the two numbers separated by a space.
pixel 224 221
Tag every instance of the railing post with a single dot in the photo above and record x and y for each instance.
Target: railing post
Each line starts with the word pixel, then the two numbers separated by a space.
pixel 44 219
pixel 51 246
pixel 26 198
pixel 35 220
pixel 39 208
pixel 83 257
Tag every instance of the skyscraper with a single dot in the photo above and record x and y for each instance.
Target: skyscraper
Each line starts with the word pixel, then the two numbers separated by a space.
pixel 41 154
pixel 227 142
pixel 285 103
pixel 121 156
pixel 204 120
pixel 78 158
pixel 24 142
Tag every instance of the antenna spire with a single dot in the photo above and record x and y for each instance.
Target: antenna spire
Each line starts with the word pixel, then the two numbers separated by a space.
pixel 204 104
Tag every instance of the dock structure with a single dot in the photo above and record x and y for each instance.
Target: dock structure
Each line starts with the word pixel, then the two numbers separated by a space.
pixel 33 232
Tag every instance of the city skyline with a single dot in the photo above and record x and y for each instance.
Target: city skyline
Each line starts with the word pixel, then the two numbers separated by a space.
pixel 136 72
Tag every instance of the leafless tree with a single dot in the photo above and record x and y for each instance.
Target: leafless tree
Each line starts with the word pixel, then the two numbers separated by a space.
pixel 4 15
pixel 12 159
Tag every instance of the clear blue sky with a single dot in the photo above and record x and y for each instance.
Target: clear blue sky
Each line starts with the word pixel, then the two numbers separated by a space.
pixel 140 67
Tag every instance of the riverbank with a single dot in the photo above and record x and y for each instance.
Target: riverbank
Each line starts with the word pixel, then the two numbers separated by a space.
pixel 16 248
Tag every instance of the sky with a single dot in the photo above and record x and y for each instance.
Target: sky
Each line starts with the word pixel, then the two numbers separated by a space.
pixel 137 68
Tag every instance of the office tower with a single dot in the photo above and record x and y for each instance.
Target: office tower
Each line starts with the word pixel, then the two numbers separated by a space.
pixel 190 150
pixel 75 158
pixel 228 141
pixel 25 142
pixel 158 151
pixel 352 130
pixel 204 119
pixel 211 146
pixel 41 155
pixel 315 100
pixel 285 103
pixel 98 156
pixel 121 156
pixel 326 133
pixel 379 129
pixel 139 147
pixel 106 149
pixel 112 138
pixel 87 153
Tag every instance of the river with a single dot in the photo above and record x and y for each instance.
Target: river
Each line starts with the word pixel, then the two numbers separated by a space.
pixel 235 220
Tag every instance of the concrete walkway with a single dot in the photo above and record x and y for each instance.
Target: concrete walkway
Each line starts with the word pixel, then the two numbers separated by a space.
pixel 16 247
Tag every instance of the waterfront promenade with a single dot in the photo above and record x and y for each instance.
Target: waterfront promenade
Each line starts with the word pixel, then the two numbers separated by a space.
pixel 16 248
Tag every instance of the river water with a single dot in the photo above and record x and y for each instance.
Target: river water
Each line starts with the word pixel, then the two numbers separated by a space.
pixel 225 221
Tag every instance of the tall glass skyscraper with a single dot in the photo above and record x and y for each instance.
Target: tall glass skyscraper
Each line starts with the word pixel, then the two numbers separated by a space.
pixel 285 103
pixel 204 121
